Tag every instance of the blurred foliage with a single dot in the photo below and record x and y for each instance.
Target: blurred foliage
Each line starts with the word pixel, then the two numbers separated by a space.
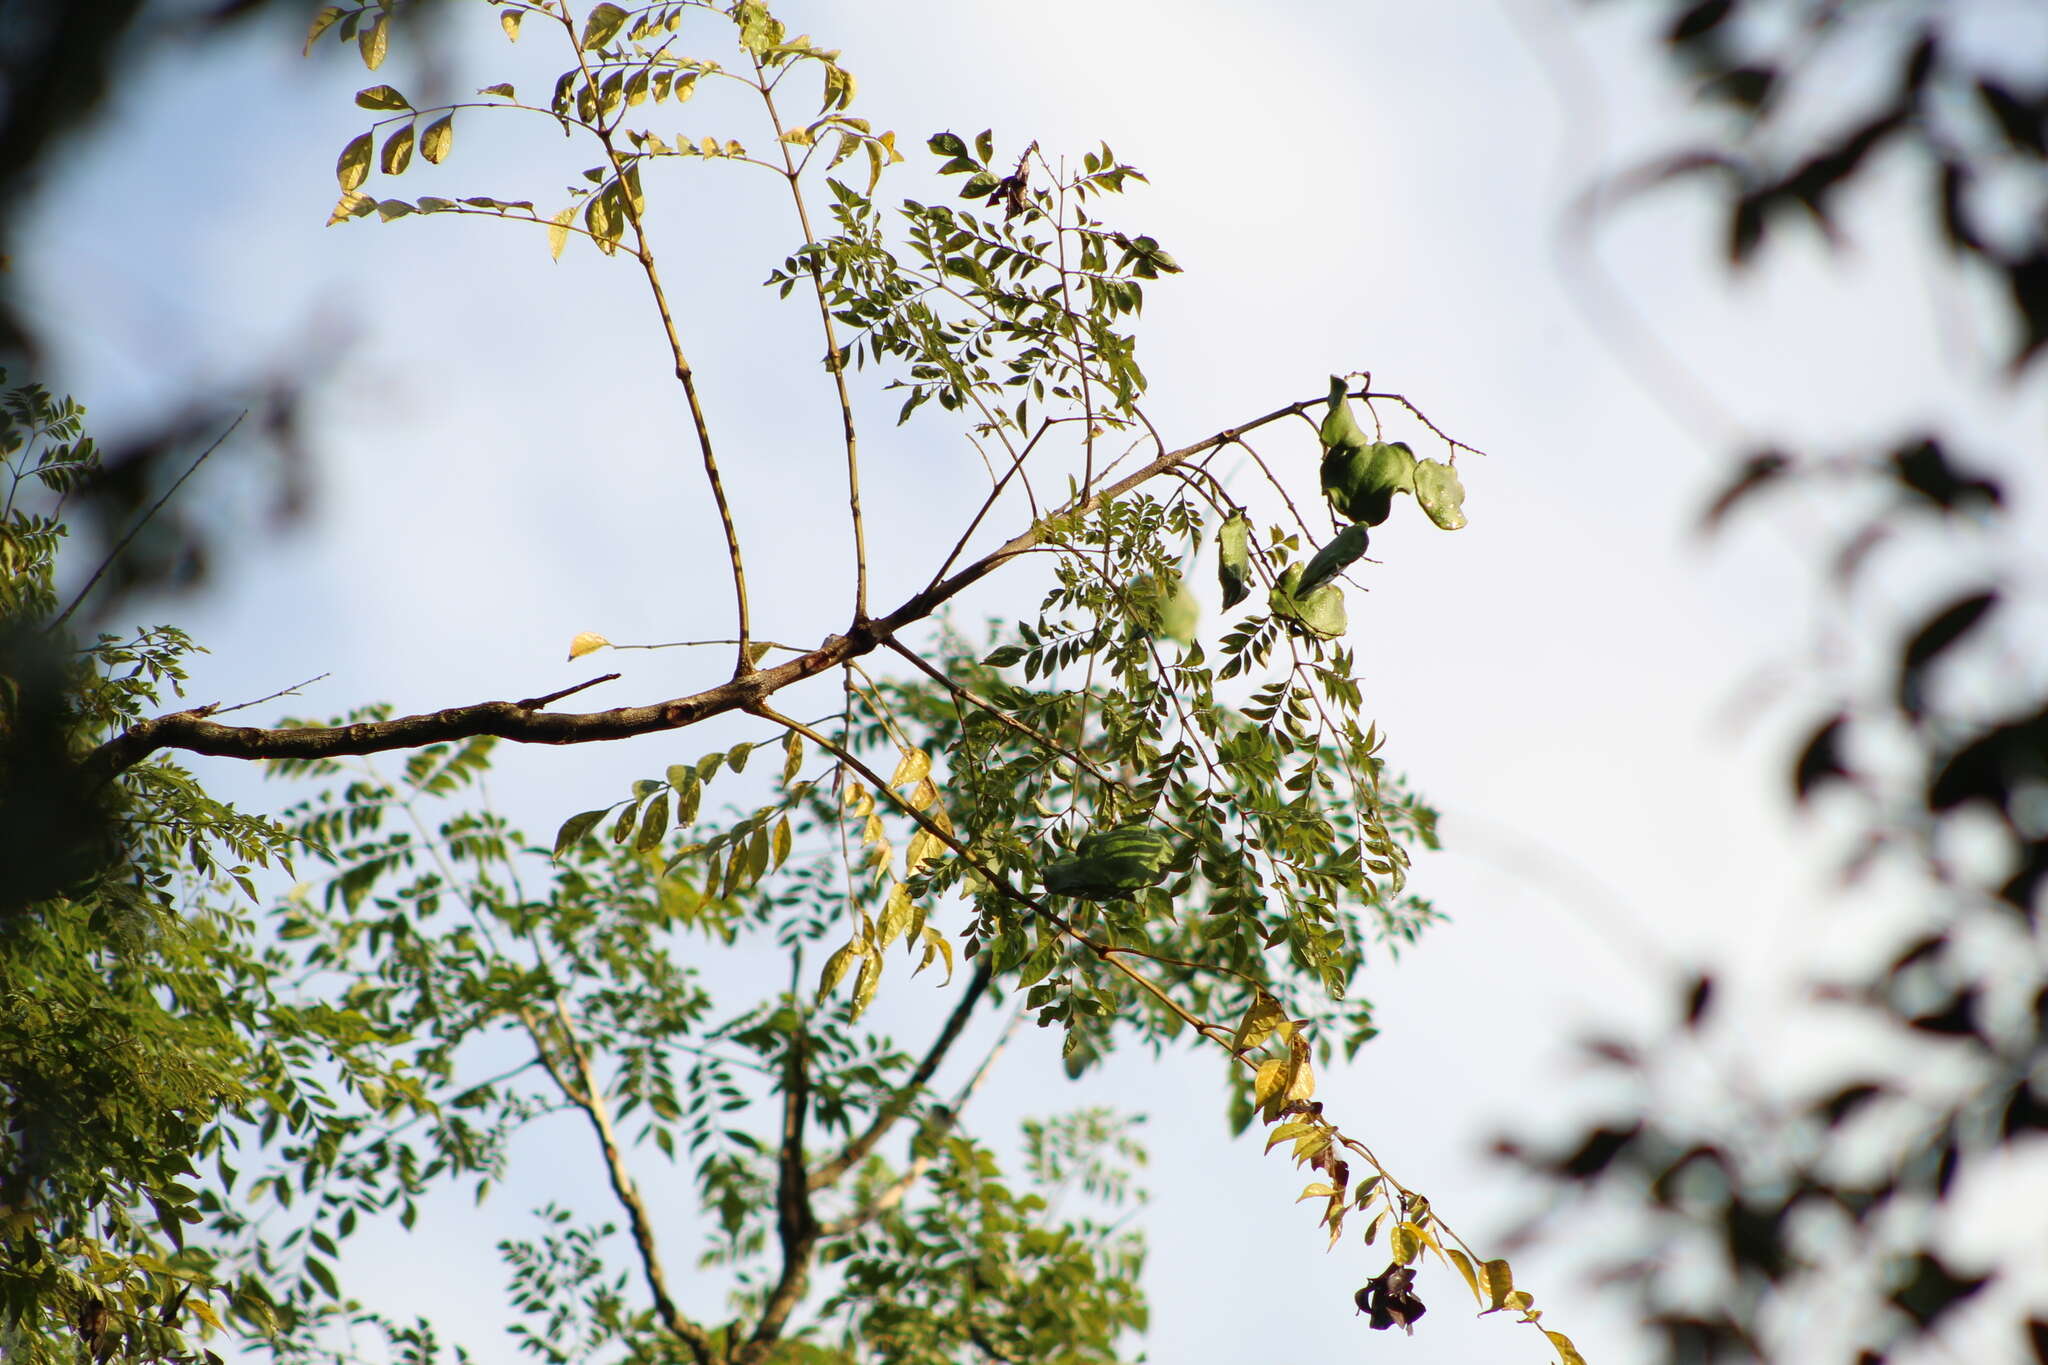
pixel 1826 1222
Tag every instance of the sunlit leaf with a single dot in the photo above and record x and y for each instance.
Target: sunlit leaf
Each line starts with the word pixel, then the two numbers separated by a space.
pixel 574 828
pixel 602 26
pixel 374 41
pixel 1404 1243
pixel 1497 1280
pixel 437 138
pixel 381 97
pixel 587 642
pixel 322 21
pixel 864 984
pixel 397 154
pixel 353 168
pixel 1260 1019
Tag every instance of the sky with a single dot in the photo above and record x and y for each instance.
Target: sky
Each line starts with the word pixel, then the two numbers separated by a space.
pixel 1599 700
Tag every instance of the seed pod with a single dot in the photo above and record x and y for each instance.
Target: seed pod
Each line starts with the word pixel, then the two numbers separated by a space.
pixel 1111 865
pixel 1342 552
pixel 1234 558
pixel 1319 613
pixel 1441 493
pixel 1361 481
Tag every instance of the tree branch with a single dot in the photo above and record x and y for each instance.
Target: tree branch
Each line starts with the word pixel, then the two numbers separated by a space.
pixel 587 1093
pixel 194 732
pixel 899 1103
pixel 941 1121
pixel 796 1227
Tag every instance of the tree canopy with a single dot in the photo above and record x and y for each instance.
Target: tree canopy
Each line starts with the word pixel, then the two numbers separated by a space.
pixel 1156 808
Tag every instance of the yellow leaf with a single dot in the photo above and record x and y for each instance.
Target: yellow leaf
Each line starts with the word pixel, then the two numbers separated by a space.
pixel 1405 1242
pixel 913 766
pixel 1258 1023
pixel 1464 1265
pixel 352 168
pixel 438 137
pixel 896 913
pixel 872 832
pixel 1567 1353
pixel 924 846
pixel 792 757
pixel 923 794
pixel 1288 1132
pixel 864 984
pixel 836 965
pixel 857 799
pixel 1319 1190
pixel 935 942
pixel 1310 1145
pixel 397 153
pixel 587 642
pixel 353 204
pixel 374 41
pixel 321 23
pixel 203 1310
pixel 1498 1280
pixel 509 19
pixel 709 146
pixel 783 839
pixel 1267 1085
pixel 1372 1229
pixel 1301 1085
pixel 1519 1301
pixel 558 231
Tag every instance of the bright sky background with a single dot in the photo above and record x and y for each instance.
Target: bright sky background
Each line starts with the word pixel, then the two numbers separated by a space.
pixel 503 462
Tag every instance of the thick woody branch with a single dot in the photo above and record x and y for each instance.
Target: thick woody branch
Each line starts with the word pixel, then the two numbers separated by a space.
pixel 527 722
pixel 586 1092
pixel 796 1227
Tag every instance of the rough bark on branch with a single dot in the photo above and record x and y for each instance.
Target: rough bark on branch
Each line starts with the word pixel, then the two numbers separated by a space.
pixel 528 722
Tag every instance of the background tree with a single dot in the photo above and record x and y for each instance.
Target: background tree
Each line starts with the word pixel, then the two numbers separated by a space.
pixel 1850 1210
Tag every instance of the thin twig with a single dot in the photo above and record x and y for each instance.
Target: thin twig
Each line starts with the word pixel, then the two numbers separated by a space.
pixel 941 1121
pixel 899 1102
pixel 835 361
pixel 291 691
pixel 136 529
pixel 536 703
pixel 684 374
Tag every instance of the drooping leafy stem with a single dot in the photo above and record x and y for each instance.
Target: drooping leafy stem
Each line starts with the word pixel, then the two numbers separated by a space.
pixel 1283 1087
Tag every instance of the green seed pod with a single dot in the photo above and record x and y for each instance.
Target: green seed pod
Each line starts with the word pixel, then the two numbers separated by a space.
pixel 1234 558
pixel 1111 865
pixel 1361 481
pixel 1441 493
pixel 1320 613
